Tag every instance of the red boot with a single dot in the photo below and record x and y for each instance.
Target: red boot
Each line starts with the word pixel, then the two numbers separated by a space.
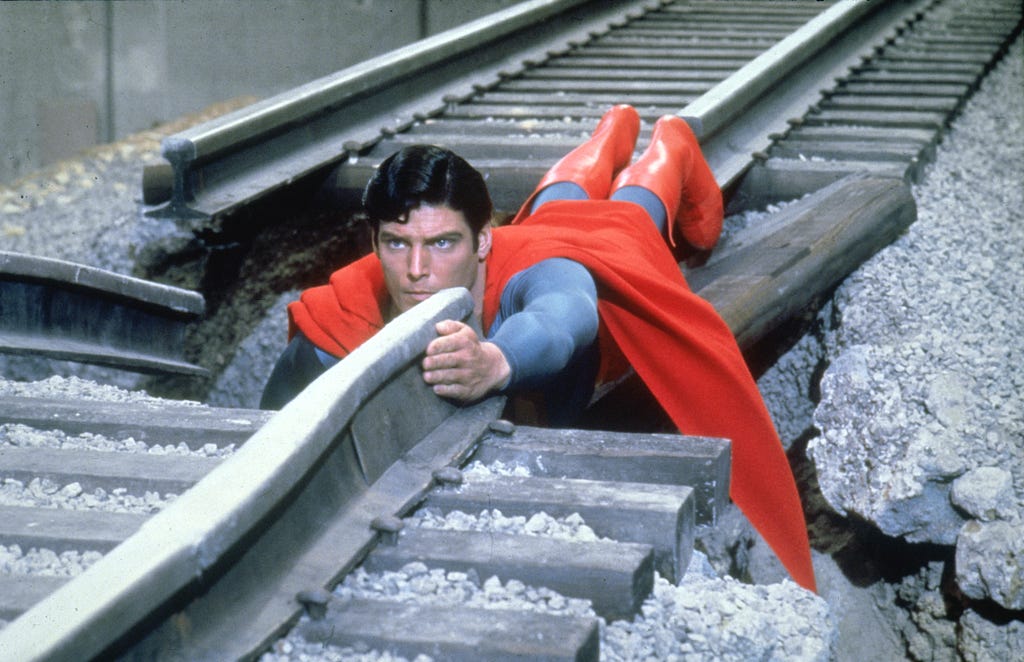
pixel 674 169
pixel 593 164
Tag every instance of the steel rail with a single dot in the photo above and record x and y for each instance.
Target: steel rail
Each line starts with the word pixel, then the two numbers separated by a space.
pixel 888 112
pixel 238 158
pixel 179 553
pixel 216 168
pixel 748 281
pixel 75 312
pixel 738 119
pixel 735 118
pixel 229 161
pixel 715 110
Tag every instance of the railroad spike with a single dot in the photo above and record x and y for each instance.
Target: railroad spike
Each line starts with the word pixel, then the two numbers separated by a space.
pixel 502 426
pixel 314 601
pixel 388 526
pixel 448 476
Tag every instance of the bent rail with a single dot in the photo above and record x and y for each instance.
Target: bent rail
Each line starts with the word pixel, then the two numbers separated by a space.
pixel 71 311
pixel 263 512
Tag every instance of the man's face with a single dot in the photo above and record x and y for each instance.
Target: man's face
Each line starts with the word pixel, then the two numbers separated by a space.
pixel 431 251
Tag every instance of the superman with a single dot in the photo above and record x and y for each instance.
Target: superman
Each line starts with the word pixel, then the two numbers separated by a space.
pixel 578 289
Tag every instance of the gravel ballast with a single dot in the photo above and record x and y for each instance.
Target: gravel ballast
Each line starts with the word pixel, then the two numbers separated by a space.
pixel 918 429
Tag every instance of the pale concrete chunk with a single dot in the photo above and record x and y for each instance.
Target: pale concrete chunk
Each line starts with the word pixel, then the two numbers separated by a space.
pixel 455 633
pixel 698 462
pixel 616 577
pixel 657 515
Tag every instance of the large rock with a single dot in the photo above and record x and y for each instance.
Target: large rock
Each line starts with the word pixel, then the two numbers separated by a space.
pixel 985 493
pixel 882 462
pixel 984 641
pixel 990 562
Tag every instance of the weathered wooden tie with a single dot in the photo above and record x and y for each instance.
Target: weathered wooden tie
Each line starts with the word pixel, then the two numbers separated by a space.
pixel 136 472
pixel 806 249
pixel 455 633
pixel 616 577
pixel 62 530
pixel 701 463
pixel 153 423
pixel 658 515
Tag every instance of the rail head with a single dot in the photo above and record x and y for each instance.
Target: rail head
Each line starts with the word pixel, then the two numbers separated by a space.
pixel 217 136
pixel 75 312
pixel 182 543
pixel 711 111
pixel 101 281
pixel 232 161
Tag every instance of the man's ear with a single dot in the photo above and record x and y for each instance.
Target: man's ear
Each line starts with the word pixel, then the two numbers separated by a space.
pixel 483 242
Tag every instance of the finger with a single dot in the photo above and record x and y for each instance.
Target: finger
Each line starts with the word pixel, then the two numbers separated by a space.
pixel 441 346
pixel 446 354
pixel 448 327
pixel 443 378
pixel 452 344
pixel 446 344
pixel 446 361
pixel 453 391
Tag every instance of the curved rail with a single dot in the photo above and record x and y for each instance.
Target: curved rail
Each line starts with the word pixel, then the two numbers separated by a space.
pixel 71 311
pixel 756 279
pixel 295 463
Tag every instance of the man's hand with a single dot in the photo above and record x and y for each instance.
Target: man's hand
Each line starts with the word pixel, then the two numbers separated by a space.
pixel 461 366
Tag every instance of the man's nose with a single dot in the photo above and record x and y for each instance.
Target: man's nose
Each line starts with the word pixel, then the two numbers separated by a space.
pixel 419 263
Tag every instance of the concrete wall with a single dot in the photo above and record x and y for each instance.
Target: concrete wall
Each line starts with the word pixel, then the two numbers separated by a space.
pixel 74 74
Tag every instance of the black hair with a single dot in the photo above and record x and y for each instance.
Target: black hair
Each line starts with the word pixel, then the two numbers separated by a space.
pixel 425 174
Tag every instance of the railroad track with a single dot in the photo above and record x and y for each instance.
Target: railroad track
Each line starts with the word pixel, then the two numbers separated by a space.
pixel 182 580
pixel 71 311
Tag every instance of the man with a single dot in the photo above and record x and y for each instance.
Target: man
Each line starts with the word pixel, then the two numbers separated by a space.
pixel 578 288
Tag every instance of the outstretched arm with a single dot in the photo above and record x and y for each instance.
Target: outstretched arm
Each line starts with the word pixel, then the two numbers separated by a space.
pixel 548 318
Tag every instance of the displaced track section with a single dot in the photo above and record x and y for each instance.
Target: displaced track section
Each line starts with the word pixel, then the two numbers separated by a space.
pixel 75 312
pixel 255 539
pixel 332 481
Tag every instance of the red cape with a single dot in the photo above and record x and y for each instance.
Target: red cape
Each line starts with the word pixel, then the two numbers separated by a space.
pixel 678 345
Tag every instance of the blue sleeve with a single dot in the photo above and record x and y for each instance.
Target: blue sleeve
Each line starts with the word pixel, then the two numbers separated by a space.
pixel 547 318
